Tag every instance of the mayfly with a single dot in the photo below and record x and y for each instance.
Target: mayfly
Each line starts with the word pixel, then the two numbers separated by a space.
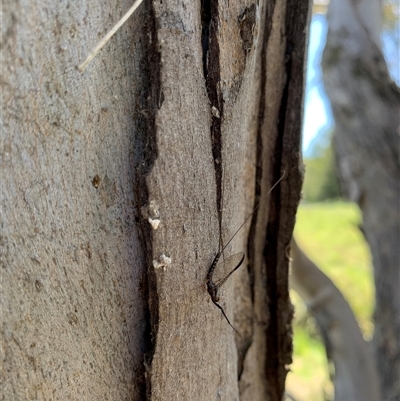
pixel 228 265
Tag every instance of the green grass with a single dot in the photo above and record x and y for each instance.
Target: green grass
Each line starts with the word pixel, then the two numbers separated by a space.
pixel 328 233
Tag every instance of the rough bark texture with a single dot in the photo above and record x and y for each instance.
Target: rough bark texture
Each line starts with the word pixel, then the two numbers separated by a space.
pixel 72 271
pixel 355 377
pixel 186 119
pixel 365 105
pixel 240 101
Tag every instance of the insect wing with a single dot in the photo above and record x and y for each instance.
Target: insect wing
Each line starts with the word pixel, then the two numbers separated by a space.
pixel 225 267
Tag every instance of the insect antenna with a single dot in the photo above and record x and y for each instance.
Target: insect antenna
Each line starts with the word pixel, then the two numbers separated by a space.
pixel 251 214
pixel 213 287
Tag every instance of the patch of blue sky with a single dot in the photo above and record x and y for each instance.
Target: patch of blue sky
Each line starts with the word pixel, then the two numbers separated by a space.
pixel 318 120
pixel 317 113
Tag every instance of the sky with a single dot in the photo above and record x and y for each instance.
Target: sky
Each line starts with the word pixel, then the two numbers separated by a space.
pixel 317 114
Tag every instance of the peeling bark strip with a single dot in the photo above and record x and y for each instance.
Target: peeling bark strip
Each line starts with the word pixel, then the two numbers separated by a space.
pixel 278 138
pixel 284 203
pixel 277 334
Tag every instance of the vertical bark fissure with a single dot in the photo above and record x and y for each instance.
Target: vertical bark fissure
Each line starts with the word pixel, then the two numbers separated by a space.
pixel 146 153
pixel 212 76
pixel 260 148
pixel 271 252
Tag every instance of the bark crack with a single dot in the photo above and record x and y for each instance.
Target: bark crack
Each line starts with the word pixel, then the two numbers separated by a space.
pixel 212 76
pixel 271 250
pixel 145 154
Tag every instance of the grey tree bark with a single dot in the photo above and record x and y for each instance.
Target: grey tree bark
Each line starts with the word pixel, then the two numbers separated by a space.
pixel 72 268
pixel 365 104
pixel 355 377
pixel 119 183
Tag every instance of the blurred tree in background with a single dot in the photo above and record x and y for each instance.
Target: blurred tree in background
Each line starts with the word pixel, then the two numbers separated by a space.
pixel 343 254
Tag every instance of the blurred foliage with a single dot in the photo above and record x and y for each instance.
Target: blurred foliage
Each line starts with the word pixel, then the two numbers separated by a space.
pixel 390 14
pixel 321 181
pixel 329 233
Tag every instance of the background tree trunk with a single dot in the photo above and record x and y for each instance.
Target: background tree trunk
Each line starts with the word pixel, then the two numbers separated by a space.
pixel 365 105
pixel 188 117
pixel 355 377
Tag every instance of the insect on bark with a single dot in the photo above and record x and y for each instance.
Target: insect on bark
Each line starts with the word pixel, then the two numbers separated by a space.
pixel 230 265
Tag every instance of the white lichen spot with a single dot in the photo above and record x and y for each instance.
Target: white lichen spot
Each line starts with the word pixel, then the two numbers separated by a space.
pixel 151 211
pixel 215 112
pixel 154 223
pixel 163 262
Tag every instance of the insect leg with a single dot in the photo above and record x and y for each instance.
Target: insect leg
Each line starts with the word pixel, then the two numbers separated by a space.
pixel 226 317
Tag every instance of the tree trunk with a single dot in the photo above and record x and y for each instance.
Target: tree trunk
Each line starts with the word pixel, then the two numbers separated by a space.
pixel 355 377
pixel 73 271
pixel 176 132
pixel 365 105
